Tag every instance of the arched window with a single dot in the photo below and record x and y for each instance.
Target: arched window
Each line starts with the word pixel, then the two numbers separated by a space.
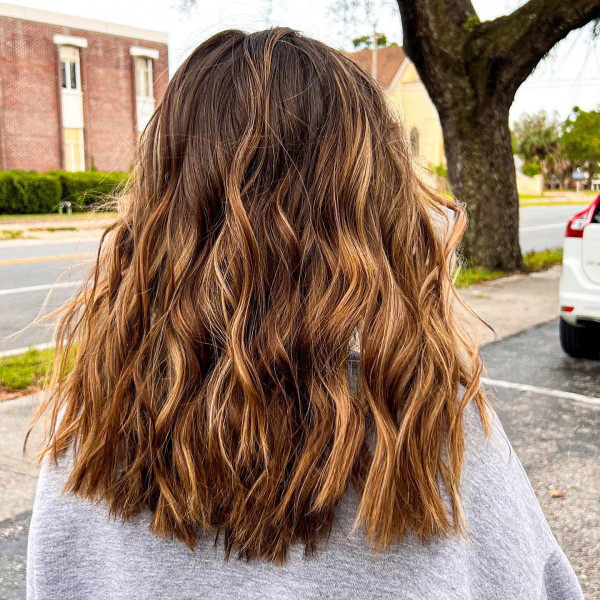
pixel 414 140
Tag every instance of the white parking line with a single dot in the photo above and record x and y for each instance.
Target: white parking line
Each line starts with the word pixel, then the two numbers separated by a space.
pixel 522 387
pixel 543 227
pixel 35 288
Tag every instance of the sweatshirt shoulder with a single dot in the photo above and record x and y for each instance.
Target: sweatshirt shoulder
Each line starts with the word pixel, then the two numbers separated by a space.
pixel 498 499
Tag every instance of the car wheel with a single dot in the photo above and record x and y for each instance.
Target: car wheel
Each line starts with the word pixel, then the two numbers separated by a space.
pixel 579 341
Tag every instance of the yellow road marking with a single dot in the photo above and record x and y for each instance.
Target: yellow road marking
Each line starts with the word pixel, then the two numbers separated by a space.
pixel 35 259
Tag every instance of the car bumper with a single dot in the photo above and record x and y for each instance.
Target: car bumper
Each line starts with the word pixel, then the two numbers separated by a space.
pixel 578 291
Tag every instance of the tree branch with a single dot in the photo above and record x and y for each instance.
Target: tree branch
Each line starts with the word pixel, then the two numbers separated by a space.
pixel 435 32
pixel 511 46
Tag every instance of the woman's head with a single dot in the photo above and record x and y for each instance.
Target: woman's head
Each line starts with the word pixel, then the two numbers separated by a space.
pixel 273 217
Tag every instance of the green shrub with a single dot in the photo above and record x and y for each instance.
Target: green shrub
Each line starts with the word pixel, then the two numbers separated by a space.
pixel 9 194
pixel 26 192
pixel 29 192
pixel 531 169
pixel 86 188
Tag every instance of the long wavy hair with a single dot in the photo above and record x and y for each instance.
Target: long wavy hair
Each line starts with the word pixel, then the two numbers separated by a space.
pixel 274 218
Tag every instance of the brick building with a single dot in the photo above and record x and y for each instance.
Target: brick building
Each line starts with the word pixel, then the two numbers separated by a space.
pixel 75 92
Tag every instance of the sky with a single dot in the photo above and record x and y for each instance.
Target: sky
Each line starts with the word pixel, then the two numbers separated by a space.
pixel 569 76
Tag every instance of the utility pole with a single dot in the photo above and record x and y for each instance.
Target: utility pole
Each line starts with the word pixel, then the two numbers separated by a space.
pixel 374 54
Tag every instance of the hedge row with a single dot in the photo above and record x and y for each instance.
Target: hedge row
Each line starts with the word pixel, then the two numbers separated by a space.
pixel 29 192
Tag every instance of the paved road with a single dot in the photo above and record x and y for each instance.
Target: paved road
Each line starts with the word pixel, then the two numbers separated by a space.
pixel 543 227
pixel 42 264
pixel 556 440
pixel 27 274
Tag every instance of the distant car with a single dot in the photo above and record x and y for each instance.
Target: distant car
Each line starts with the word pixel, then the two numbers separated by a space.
pixel 580 285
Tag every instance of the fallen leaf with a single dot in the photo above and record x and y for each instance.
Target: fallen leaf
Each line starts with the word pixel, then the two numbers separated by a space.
pixel 555 494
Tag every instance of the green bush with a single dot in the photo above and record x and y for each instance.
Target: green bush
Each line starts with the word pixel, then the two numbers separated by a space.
pixel 26 192
pixel 531 169
pixel 85 188
pixel 29 192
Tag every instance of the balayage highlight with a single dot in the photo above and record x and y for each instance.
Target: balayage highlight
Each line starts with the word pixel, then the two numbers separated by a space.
pixel 274 215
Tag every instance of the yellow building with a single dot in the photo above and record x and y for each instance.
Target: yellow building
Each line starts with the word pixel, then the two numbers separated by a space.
pixel 400 81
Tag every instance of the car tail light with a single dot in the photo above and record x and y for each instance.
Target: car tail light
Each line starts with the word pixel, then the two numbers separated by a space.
pixel 577 222
pixel 567 308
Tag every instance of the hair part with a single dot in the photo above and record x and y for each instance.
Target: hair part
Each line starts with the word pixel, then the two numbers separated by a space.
pixel 273 215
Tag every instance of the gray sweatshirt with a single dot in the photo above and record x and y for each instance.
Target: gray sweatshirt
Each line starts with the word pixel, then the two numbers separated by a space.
pixel 76 551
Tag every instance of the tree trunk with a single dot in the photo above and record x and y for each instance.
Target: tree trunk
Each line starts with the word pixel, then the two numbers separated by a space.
pixel 482 175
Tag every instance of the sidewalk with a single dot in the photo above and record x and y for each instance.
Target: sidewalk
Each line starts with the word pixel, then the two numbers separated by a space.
pixel 558 198
pixel 18 229
pixel 18 473
pixel 511 304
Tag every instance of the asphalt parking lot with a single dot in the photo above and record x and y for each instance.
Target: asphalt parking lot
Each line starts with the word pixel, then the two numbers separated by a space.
pixel 556 438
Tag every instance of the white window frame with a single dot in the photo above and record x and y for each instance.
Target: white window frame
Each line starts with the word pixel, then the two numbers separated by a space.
pixel 145 103
pixel 68 62
pixel 147 73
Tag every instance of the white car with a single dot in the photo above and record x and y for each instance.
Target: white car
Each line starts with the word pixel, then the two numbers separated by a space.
pixel 580 285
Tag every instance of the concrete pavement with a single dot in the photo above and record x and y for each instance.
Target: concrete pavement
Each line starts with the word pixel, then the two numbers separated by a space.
pixel 18 472
pixel 513 304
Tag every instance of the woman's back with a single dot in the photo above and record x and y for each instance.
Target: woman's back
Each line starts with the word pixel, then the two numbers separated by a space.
pixel 274 221
pixel 77 551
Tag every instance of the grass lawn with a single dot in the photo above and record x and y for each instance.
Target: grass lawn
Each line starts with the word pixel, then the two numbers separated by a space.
pixel 10 234
pixel 18 234
pixel 534 261
pixel 546 203
pixel 530 196
pixel 556 198
pixel 24 373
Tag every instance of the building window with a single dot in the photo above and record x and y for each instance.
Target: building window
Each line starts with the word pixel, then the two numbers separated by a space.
pixel 143 77
pixel 74 155
pixel 144 91
pixel 69 68
pixel 414 140
pixel 71 100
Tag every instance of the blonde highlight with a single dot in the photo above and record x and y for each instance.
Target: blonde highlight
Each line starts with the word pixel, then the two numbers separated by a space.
pixel 273 216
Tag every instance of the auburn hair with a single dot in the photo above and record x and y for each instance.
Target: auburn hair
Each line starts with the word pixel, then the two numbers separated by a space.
pixel 274 218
